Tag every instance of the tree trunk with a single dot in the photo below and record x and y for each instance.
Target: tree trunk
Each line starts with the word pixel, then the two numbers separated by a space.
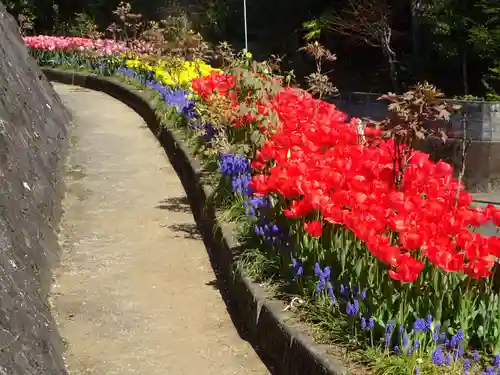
pixel 391 59
pixel 415 6
pixel 385 41
pixel 465 76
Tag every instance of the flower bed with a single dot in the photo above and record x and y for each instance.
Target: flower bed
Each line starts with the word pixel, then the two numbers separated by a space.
pixel 396 272
pixel 106 56
pixel 42 43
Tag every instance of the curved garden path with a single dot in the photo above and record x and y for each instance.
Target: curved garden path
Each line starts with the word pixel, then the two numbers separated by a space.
pixel 135 290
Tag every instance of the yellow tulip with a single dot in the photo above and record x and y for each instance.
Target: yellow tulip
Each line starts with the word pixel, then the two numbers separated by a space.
pixel 170 76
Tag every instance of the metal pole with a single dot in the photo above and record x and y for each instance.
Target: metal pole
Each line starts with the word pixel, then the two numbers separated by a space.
pixel 245 20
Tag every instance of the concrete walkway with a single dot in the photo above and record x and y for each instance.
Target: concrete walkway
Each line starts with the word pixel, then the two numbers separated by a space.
pixel 135 291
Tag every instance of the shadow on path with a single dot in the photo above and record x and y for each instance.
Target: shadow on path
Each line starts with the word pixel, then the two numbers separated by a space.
pixel 176 204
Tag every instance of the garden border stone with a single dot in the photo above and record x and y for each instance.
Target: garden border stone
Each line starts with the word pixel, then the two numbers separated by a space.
pixel 283 344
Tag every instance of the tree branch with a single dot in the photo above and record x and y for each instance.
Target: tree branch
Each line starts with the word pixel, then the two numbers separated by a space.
pixel 364 20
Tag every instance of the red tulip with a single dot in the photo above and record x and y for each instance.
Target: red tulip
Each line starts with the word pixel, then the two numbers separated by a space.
pixel 313 228
pixel 317 163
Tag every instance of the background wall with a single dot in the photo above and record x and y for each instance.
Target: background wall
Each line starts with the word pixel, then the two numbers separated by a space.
pixel 483 118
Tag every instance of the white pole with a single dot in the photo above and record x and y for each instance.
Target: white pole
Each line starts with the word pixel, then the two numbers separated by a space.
pixel 245 20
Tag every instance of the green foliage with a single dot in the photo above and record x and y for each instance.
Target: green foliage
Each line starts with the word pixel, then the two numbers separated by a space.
pixel 485 35
pixel 449 21
pixel 24 12
pixel 84 26
pixel 60 27
pixel 17 7
pixel 469 97
pixel 314 28
pixel 491 81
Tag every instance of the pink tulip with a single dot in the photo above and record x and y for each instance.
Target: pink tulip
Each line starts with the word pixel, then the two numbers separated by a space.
pixel 56 43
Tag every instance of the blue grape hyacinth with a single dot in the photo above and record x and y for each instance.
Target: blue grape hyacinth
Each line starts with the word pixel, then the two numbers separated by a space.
pixel 438 356
pixel 352 309
pixel 177 98
pixel 208 130
pixel 297 268
pixel 237 168
pixel 232 164
pixel 323 276
pixel 272 234
pixel 253 204
pixel 239 184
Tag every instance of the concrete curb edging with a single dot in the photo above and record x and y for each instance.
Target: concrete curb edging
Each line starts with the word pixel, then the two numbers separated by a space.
pixel 288 350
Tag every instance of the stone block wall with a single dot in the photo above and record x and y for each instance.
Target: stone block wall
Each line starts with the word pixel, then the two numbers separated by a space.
pixel 482 118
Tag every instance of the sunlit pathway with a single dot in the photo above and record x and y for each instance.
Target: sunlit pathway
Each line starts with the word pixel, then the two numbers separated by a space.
pixel 134 293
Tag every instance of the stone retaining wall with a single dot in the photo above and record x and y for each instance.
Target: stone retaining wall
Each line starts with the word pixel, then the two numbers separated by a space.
pixel 33 131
